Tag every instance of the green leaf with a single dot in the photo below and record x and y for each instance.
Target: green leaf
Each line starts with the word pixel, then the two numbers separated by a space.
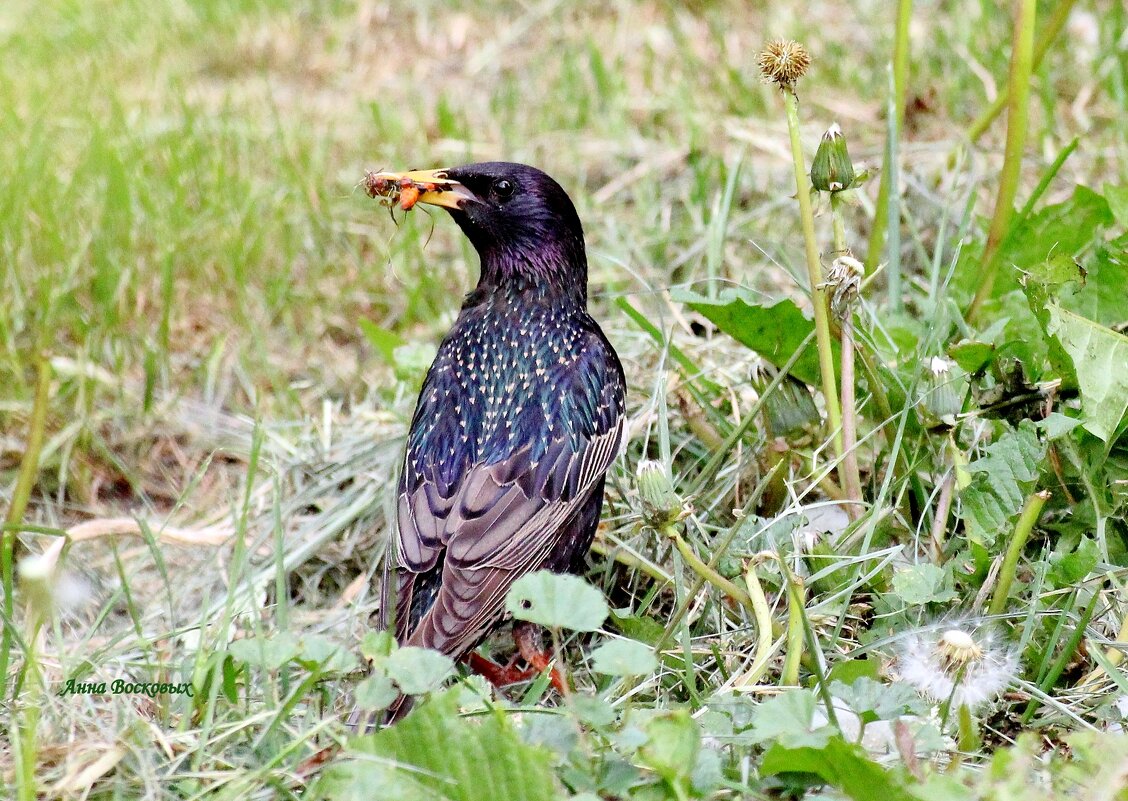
pixel 841 764
pixel 972 356
pixel 1001 481
pixel 875 700
pixel 1117 198
pixel 317 651
pixel 672 744
pixel 555 600
pixel 921 584
pixel 1068 569
pixel 269 653
pixel 375 692
pixel 853 669
pixel 375 645
pixel 773 331
pixel 436 754
pixel 1056 425
pixel 418 670
pixel 1100 357
pixel 788 719
pixel 623 657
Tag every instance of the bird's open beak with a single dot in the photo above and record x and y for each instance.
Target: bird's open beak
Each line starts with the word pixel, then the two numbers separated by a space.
pixel 418 186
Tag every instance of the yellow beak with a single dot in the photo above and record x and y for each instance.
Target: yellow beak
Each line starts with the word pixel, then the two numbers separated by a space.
pixel 417 186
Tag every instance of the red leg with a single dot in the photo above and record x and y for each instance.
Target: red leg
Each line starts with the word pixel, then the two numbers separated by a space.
pixel 494 673
pixel 526 637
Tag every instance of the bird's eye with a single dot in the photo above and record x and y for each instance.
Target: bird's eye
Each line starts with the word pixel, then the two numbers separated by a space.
pixel 503 188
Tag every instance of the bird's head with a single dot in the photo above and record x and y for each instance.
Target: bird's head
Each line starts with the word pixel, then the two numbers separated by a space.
pixel 522 223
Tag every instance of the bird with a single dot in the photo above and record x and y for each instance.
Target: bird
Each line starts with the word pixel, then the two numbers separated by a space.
pixel 518 420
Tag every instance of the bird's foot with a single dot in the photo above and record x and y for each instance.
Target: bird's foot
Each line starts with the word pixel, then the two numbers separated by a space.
pixel 527 637
pixel 496 674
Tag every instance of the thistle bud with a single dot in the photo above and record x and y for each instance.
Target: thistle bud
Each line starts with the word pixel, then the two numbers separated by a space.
pixel 661 504
pixel 832 170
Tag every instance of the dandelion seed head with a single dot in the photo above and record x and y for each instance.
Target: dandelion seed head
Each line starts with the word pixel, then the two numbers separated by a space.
pixel 964 663
pixel 783 62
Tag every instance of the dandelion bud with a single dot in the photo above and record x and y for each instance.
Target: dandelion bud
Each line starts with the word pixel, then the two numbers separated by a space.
pixel 36 577
pixel 783 62
pixel 946 386
pixel 661 504
pixel 832 170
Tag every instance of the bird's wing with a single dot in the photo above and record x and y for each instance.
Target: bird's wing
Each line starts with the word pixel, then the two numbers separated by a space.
pixel 506 520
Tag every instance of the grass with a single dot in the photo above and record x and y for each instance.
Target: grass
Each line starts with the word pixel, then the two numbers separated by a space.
pixel 183 244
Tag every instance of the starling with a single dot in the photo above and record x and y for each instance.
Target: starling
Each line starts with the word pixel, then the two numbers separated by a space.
pixel 518 419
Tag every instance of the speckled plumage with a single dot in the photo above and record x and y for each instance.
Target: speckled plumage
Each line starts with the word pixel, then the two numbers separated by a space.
pixel 518 419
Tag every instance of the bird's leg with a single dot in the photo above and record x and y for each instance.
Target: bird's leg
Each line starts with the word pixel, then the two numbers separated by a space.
pixel 494 673
pixel 527 638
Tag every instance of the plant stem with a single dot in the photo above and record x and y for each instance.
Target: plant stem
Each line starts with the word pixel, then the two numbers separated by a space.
pixel 1018 110
pixel 851 478
pixel 29 469
pixel 764 633
pixel 1057 21
pixel 709 574
pixel 814 274
pixel 881 217
pixel 969 739
pixel 796 631
pixel 1030 513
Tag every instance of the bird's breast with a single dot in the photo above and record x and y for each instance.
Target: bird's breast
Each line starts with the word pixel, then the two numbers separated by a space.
pixel 505 378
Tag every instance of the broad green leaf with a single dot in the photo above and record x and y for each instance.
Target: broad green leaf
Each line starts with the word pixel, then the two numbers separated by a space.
pixel 788 719
pixel 1102 299
pixel 269 653
pixel 375 692
pixel 622 657
pixel 377 644
pixel 1057 425
pixel 445 757
pixel 922 584
pixel 1068 569
pixel 972 356
pixel 773 331
pixel 1100 358
pixel 672 744
pixel 318 651
pixel 1117 198
pixel 875 700
pixel 354 780
pixel 418 670
pixel 557 600
pixel 842 764
pixel 1001 481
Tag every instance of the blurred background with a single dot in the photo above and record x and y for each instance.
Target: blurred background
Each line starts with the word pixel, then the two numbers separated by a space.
pixel 180 216
pixel 184 239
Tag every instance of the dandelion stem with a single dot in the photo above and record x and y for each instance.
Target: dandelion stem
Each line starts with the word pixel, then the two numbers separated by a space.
pixel 795 628
pixel 969 739
pixel 1057 21
pixel 1030 514
pixel 1018 110
pixel 709 574
pixel 764 633
pixel 814 273
pixel 851 479
pixel 900 82
pixel 29 469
